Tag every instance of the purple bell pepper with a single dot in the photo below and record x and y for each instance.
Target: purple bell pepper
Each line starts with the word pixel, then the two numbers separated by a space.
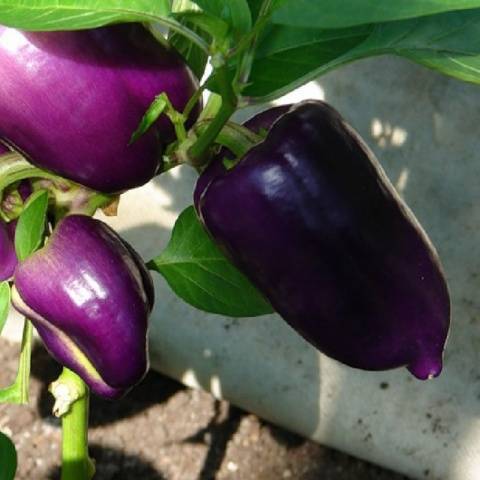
pixel 8 257
pixel 70 101
pixel 89 295
pixel 311 218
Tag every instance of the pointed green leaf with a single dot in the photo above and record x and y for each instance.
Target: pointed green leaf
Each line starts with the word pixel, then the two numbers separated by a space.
pixel 73 14
pixel 199 273
pixel 155 109
pixel 462 67
pixel 454 32
pixel 347 13
pixel 31 225
pixel 4 303
pixel 288 57
pixel 195 58
pixel 186 12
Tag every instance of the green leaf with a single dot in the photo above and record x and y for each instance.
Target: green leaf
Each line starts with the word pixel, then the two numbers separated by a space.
pixel 4 304
pixel 462 67
pixel 18 391
pixel 455 32
pixel 456 50
pixel 347 13
pixel 235 13
pixel 256 5
pixel 214 26
pixel 288 57
pixel 195 58
pixel 8 458
pixel 191 53
pixel 155 109
pixel 31 225
pixel 199 273
pixel 74 14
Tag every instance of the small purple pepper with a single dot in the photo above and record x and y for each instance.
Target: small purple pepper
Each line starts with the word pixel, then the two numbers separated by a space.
pixel 311 218
pixel 8 257
pixel 89 295
pixel 70 101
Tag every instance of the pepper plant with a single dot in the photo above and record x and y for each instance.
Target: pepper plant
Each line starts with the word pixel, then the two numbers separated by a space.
pixel 99 97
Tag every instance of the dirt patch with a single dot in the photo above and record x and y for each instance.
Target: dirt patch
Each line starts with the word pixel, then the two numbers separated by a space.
pixel 164 431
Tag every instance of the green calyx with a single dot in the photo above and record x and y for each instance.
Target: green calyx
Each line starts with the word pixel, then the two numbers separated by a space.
pixel 67 197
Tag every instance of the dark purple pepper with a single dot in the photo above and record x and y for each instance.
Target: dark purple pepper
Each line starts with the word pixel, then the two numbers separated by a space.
pixel 311 218
pixel 89 298
pixel 70 101
pixel 8 257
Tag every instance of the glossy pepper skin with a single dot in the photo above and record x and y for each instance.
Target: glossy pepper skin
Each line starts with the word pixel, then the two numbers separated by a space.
pixel 70 101
pixel 89 296
pixel 311 218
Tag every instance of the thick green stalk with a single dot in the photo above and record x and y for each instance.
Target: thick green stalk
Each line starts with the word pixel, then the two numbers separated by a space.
pixel 72 400
pixel 228 107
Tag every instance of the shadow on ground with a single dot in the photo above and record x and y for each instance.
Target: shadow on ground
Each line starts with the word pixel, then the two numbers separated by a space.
pixel 114 464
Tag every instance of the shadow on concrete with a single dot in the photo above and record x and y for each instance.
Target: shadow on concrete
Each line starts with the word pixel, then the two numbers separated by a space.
pixel 217 434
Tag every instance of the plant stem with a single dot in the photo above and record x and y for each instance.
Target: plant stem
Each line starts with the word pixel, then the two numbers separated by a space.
pixel 245 64
pixel 76 463
pixel 236 138
pixel 14 167
pixel 18 391
pixel 229 104
pixel 211 108
pixel 194 99
pixel 182 30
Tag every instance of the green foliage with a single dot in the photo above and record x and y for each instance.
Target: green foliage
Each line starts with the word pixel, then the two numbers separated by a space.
pixel 346 13
pixel 289 56
pixel 195 58
pixel 73 14
pixel 155 109
pixel 234 13
pixel 192 54
pixel 31 225
pixel 463 67
pixel 4 304
pixel 199 273
pixel 8 458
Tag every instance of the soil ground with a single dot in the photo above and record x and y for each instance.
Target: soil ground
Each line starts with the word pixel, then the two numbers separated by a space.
pixel 164 431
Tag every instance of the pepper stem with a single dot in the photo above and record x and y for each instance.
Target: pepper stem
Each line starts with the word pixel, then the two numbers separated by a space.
pixel 227 108
pixel 71 403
